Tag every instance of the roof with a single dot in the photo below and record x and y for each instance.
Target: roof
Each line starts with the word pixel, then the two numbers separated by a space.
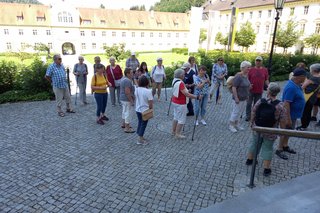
pixel 226 4
pixel 29 13
pixel 132 19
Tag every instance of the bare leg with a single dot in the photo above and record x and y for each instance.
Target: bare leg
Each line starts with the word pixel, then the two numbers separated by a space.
pixel 174 126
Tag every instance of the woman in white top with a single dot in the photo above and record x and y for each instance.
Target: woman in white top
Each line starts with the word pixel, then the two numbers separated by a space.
pixel 80 70
pixel 144 101
pixel 158 76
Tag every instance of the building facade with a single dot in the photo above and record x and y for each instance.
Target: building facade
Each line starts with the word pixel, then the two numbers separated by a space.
pixel 69 30
pixel 261 14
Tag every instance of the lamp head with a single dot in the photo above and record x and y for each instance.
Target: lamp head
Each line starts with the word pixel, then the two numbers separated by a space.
pixel 278 4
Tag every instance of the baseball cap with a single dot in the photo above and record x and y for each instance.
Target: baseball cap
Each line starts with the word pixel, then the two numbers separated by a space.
pixel 299 72
pixel 259 58
pixel 186 65
pixel 133 53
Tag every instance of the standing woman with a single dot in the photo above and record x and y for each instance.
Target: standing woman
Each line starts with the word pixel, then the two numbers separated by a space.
pixel 143 70
pixel 80 70
pixel 158 76
pixel 127 99
pixel 114 74
pixel 193 65
pixel 201 81
pixel 240 93
pixel 219 71
pixel 99 84
pixel 144 101
pixel 179 103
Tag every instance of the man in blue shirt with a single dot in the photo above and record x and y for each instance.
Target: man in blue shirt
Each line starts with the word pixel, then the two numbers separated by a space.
pixel 294 102
pixel 56 75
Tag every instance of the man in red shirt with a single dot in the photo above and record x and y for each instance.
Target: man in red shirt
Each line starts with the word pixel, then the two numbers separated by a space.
pixel 258 77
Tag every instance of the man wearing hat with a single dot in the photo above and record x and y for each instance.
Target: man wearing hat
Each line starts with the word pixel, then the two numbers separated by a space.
pixel 294 103
pixel 132 62
pixel 158 77
pixel 188 80
pixel 258 77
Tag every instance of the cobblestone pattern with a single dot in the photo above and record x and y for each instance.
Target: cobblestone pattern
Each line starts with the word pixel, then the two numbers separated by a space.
pixel 71 164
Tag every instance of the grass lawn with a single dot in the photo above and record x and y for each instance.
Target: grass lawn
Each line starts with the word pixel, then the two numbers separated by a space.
pixel 16 60
pixel 149 58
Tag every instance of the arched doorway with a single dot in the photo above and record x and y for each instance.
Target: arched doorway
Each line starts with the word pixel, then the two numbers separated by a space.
pixel 68 49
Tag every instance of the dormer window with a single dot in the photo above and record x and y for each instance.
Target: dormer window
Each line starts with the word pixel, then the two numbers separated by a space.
pixel 176 25
pixel 123 23
pixel 41 19
pixel 86 21
pixel 141 23
pixel 65 17
pixel 103 22
pixel 20 18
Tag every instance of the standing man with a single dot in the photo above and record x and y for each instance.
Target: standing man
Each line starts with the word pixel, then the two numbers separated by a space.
pixel 188 81
pixel 258 77
pixel 56 75
pixel 97 61
pixel 294 103
pixel 132 62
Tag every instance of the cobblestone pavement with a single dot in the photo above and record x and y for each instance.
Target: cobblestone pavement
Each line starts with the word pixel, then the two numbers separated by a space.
pixel 71 164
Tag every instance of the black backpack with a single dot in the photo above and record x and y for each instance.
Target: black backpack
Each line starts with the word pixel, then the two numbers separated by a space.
pixel 265 114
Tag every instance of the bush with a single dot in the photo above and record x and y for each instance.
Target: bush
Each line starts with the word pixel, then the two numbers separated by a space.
pixel 8 71
pixel 183 51
pixel 21 95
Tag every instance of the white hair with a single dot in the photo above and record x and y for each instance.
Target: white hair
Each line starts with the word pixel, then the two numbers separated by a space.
pixel 245 64
pixel 315 68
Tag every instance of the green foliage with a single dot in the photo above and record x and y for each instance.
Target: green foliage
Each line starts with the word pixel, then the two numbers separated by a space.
pixel 139 8
pixel 246 36
pixel 170 72
pixel 203 35
pixel 41 47
pixel 180 50
pixel 177 6
pixel 22 55
pixel 117 51
pixel 7 75
pixel 287 36
pixel 22 1
pixel 223 40
pixel 21 95
pixel 313 41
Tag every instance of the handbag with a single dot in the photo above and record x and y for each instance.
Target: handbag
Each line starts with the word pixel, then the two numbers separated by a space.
pixel 307 96
pixel 148 114
pixel 116 82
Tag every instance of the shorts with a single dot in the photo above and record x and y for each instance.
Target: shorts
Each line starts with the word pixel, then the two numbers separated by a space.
pixel 127 111
pixel 180 113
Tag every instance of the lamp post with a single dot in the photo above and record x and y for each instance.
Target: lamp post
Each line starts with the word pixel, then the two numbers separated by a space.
pixel 278 5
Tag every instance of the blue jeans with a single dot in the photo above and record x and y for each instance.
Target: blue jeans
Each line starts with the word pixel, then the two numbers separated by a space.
pixel 201 109
pixel 101 99
pixel 142 125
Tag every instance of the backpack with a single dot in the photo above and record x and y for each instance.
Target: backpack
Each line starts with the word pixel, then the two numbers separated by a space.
pixel 265 114
pixel 229 83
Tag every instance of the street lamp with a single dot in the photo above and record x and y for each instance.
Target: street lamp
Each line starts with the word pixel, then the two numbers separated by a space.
pixel 278 5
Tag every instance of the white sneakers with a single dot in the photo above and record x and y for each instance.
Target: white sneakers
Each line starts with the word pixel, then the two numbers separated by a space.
pixel 202 121
pixel 232 129
pixel 197 123
pixel 239 128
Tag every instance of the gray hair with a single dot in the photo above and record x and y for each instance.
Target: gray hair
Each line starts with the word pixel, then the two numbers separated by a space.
pixel 178 73
pixel 97 58
pixel 112 58
pixel 245 64
pixel 273 89
pixel 80 57
pixel 56 56
pixel 315 68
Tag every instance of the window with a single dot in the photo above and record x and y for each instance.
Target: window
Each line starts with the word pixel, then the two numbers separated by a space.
pixel 302 27
pixel 23 46
pixel 159 24
pixel 227 17
pixel 264 46
pixel 124 34
pixel 142 34
pixel 114 34
pixel 184 45
pixel 177 44
pixel 176 25
pixel 142 44
pixel 103 22
pixel 66 17
pixel 35 32
pixel 258 29
pixel 168 44
pixel 41 19
pixel 20 18
pixel 185 35
pixel 160 35
pixel 93 33
pixel 306 10
pixel 9 47
pixel 251 14
pixel 6 31
pixel 133 44
pixel 50 45
pixel 133 34
pixel 141 23
pixel 151 35
pixel 20 31
pixel 48 32
pixel 86 22
pixel 267 29
pixel 169 35
pixel 269 13
pixel 36 45
pixel 160 44
pixel 151 44
pixel 291 11
pixel 317 28
pixel 104 45
pixel 83 46
pixel 66 31
pixel 242 16
pixel 177 35
pixel 260 14
pixel 103 33
pixel 123 23
pixel 82 33
pixel 94 45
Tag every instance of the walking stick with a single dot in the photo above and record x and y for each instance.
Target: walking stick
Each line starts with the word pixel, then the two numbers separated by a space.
pixel 75 101
pixel 165 88
pixel 169 107
pixel 197 115
pixel 218 93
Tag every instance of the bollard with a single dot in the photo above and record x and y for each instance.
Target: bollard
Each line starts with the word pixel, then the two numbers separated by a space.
pixel 68 79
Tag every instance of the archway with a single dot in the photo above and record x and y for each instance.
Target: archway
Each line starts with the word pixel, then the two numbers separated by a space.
pixel 68 49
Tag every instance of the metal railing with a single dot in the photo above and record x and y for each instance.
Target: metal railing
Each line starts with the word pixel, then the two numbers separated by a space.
pixel 276 131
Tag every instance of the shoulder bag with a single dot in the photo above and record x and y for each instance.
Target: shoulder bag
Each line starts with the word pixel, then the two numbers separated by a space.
pixel 147 114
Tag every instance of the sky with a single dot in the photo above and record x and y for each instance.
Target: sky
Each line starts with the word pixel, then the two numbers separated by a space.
pixel 109 4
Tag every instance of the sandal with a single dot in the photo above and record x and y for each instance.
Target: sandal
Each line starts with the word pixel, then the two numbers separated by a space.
pixel 61 114
pixel 130 130
pixel 70 111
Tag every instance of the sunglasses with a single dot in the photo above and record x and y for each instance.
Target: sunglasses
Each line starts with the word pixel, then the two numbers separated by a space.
pixel 59 59
pixel 220 60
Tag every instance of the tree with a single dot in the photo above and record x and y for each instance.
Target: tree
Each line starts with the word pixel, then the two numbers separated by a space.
pixel 22 1
pixel 246 36
pixel 102 6
pixel 287 36
pixel 117 51
pixel 22 55
pixel 177 6
pixel 203 35
pixel 137 7
pixel 41 47
pixel 313 41
pixel 223 40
